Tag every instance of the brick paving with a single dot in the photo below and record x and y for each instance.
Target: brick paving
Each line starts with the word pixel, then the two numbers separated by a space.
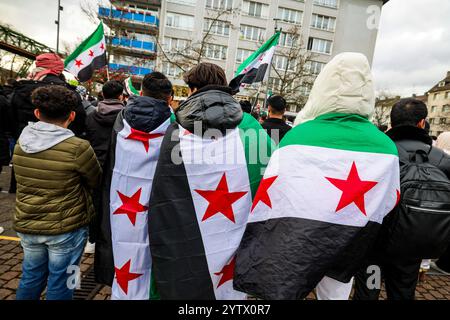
pixel 434 287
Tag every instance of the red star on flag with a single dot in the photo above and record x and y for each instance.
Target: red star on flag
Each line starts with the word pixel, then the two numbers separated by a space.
pixel 220 200
pixel 123 276
pixel 227 272
pixel 130 205
pixel 398 197
pixel 143 137
pixel 353 189
pixel 78 63
pixel 91 53
pixel 102 46
pixel 261 194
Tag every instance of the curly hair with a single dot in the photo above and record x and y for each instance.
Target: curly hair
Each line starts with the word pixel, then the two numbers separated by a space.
pixel 156 85
pixel 205 74
pixel 55 102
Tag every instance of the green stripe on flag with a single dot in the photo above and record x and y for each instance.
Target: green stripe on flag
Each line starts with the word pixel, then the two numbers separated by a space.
pixel 256 162
pixel 273 41
pixel 93 39
pixel 340 131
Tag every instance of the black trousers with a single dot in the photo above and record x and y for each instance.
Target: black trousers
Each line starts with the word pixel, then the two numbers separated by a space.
pixel 400 279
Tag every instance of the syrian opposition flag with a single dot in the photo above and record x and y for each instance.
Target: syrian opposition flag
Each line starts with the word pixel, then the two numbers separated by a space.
pixel 89 56
pixel 319 207
pixel 129 88
pixel 131 184
pixel 254 68
pixel 199 207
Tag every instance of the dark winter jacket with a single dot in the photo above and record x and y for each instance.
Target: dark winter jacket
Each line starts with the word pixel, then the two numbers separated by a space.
pixel 143 114
pixel 276 124
pixel 213 106
pixel 5 122
pixel 23 109
pixel 411 139
pixel 99 126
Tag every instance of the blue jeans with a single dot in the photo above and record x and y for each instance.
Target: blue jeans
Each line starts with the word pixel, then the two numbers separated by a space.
pixel 46 262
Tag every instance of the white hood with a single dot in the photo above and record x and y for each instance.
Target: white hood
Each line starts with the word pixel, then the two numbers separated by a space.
pixel 40 136
pixel 345 85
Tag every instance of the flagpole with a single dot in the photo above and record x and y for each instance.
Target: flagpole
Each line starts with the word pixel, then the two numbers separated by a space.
pixel 107 72
pixel 270 67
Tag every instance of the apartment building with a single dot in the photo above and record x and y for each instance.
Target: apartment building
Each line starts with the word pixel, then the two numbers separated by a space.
pixel 326 28
pixel 439 106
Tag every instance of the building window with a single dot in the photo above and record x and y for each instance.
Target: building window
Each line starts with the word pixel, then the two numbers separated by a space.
pixel 180 21
pixel 274 84
pixel 283 63
pixel 315 67
pixel 252 33
pixel 289 15
pixel 221 28
pixel 174 44
pixel 447 94
pixel 215 51
pixel 326 3
pixel 431 121
pixel 170 69
pixel 446 108
pixel 185 2
pixel 319 45
pixel 242 55
pixel 255 9
pixel 433 109
pixel 443 121
pixel 219 4
pixel 436 96
pixel 287 39
pixel 323 22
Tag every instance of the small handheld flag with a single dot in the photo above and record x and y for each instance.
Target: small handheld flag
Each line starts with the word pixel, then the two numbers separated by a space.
pixel 129 88
pixel 254 68
pixel 89 56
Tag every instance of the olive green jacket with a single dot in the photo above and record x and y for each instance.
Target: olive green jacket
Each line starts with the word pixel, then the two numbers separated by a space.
pixel 53 187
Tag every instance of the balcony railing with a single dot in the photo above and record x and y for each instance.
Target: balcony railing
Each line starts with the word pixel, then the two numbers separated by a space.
pixel 134 44
pixel 133 17
pixel 139 71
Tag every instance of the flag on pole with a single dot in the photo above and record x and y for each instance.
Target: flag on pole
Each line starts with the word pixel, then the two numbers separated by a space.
pixel 254 68
pixel 196 224
pixel 89 56
pixel 129 88
pixel 319 206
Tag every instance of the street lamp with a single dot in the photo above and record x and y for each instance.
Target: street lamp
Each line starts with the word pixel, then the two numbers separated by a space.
pixel 57 22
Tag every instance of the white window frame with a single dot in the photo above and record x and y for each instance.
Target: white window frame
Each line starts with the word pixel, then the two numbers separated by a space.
pixel 218 26
pixel 327 3
pixel 219 4
pixel 242 54
pixel 256 32
pixel 322 43
pixel 175 18
pixel 322 22
pixel 215 51
pixel 297 13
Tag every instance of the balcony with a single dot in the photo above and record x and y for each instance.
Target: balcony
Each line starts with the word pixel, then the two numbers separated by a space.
pixel 133 47
pixel 151 4
pixel 139 21
pixel 137 71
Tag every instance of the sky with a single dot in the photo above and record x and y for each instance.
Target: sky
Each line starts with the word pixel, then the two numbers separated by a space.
pixel 412 52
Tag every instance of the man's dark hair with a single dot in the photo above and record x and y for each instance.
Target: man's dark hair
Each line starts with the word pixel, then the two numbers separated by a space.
pixel 156 85
pixel 246 106
pixel 54 102
pixel 278 104
pixel 408 112
pixel 205 74
pixel 112 89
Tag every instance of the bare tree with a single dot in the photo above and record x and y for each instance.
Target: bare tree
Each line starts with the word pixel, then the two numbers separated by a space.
pixel 383 106
pixel 194 51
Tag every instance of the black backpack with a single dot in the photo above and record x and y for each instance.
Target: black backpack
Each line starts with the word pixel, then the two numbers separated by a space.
pixel 419 228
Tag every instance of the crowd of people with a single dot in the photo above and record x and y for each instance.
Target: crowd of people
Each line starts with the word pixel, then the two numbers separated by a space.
pixel 118 176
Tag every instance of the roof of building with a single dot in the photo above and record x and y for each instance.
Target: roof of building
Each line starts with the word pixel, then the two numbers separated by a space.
pixel 443 85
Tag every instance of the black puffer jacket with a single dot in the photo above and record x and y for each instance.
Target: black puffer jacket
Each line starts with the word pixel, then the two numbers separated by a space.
pixel 213 106
pixel 5 121
pixel 411 139
pixel 23 109
pixel 143 114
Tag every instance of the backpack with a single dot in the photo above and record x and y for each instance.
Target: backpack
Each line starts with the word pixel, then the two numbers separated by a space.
pixel 420 225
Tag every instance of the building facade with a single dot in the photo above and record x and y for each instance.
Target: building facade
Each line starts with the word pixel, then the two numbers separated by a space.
pixel 236 28
pixel 439 106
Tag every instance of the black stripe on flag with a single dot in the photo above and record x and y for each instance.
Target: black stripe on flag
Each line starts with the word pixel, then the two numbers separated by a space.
pixel 86 73
pixel 285 258
pixel 251 76
pixel 179 262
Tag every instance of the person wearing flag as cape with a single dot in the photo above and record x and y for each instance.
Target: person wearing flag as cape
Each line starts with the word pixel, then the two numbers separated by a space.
pixel 122 255
pixel 209 169
pixel 324 194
